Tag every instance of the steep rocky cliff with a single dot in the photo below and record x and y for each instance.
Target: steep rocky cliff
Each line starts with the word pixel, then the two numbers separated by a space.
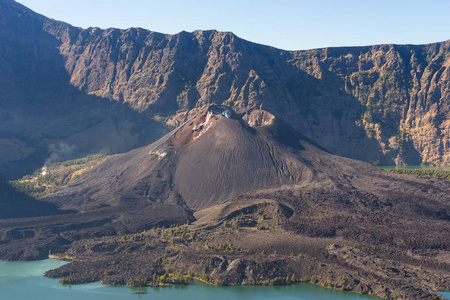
pixel 386 104
pixel 403 92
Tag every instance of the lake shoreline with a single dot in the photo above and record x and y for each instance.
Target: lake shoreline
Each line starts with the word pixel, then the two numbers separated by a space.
pixel 30 274
pixel 197 290
pixel 160 262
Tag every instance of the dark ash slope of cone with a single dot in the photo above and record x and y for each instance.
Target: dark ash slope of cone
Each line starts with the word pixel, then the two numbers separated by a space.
pixel 228 157
pixel 211 159
pixel 205 162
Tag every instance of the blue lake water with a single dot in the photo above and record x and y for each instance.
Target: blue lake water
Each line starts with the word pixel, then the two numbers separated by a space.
pixel 24 281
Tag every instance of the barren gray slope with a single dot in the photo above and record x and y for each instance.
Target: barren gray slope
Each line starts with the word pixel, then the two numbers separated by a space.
pixel 205 162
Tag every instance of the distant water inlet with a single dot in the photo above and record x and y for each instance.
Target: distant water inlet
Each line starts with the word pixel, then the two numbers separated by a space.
pixel 24 281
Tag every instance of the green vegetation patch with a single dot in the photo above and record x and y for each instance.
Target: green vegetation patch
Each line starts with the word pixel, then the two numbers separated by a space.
pixel 50 179
pixel 77 161
pixel 169 277
pixel 422 172
pixel 38 186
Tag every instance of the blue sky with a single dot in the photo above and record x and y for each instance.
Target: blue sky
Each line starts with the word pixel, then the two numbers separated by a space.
pixel 286 24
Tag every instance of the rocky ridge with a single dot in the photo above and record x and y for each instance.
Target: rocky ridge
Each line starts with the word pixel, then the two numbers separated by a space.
pixel 389 97
pixel 384 104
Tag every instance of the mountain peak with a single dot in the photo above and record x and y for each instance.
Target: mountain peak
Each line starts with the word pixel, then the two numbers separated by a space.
pixel 19 10
pixel 213 157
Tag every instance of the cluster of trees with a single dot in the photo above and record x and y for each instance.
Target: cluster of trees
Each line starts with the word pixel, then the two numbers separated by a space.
pixel 169 277
pixel 224 247
pixel 77 161
pixel 42 182
pixel 283 280
pixel 37 187
pixel 423 172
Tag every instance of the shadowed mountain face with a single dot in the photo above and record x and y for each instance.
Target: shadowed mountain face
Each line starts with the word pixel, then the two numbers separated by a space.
pixel 63 87
pixel 43 118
